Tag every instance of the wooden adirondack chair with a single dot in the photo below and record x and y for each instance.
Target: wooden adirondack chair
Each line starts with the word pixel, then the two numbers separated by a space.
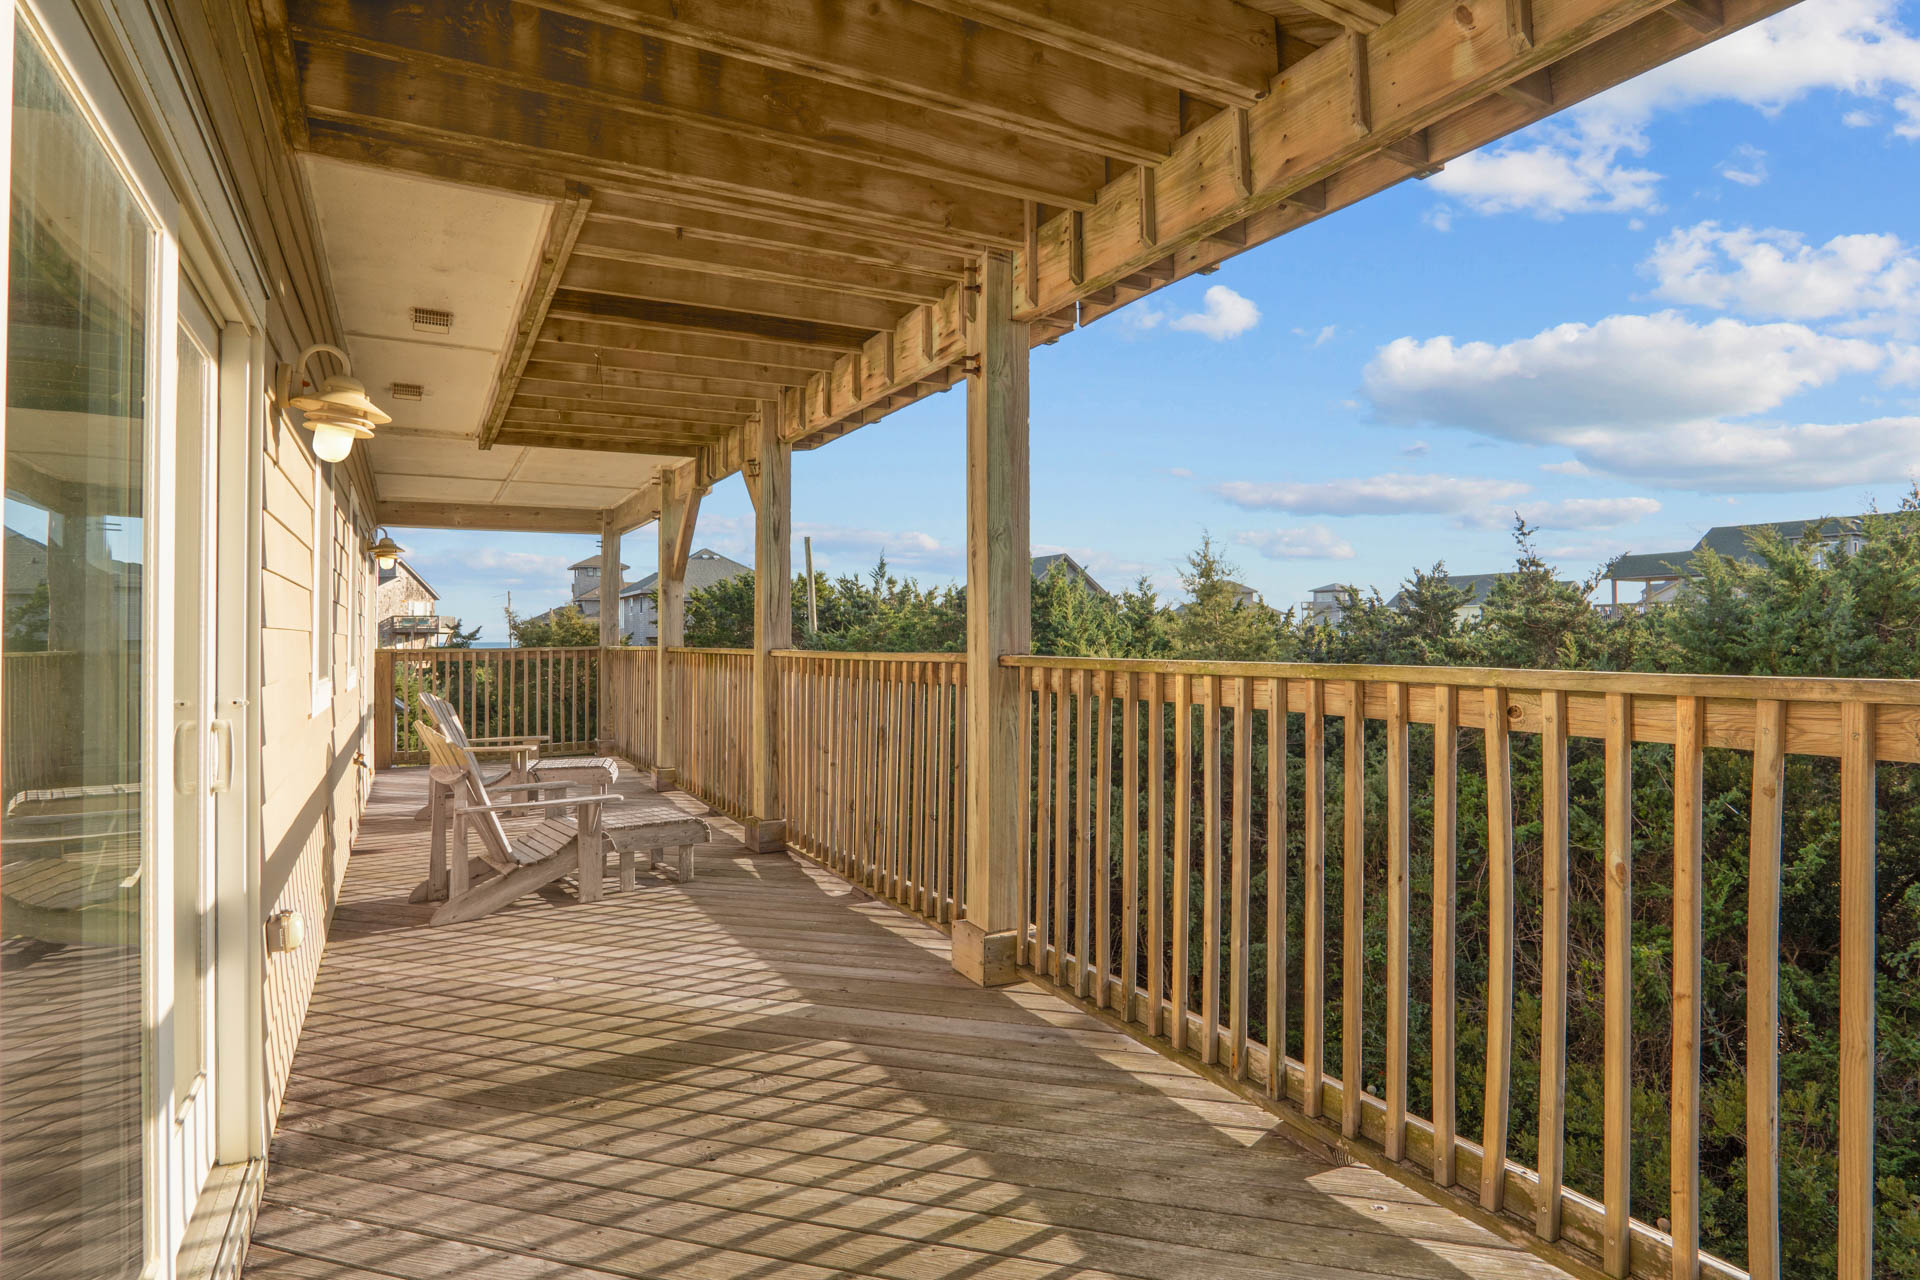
pixel 541 855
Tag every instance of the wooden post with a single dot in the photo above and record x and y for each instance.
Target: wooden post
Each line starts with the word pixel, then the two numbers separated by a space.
pixel 610 638
pixel 679 510
pixel 383 718
pixel 999 587
pixel 772 492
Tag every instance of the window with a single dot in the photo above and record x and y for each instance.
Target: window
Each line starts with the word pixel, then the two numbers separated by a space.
pixel 324 621
pixel 84 337
pixel 357 588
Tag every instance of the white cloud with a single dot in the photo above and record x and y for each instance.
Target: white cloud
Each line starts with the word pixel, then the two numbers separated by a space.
pixel 1571 513
pixel 1903 365
pixel 1306 542
pixel 907 548
pixel 1570 467
pixel 1419 448
pixel 1226 315
pixel 1560 169
pixel 1394 493
pixel 505 567
pixel 1112 572
pixel 1440 218
pixel 1142 316
pixel 1180 473
pixel 1868 282
pixel 1573 164
pixel 1746 166
pixel 1651 398
pixel 1317 337
pixel 1622 373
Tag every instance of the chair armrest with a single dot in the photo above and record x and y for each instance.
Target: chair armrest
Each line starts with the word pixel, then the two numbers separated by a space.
pixel 531 786
pixel 517 806
pixel 508 740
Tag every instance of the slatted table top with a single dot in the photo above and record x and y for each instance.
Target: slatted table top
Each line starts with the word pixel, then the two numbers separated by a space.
pixel 767 1074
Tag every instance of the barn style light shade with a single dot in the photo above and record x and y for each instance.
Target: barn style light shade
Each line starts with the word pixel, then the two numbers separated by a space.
pixel 386 552
pixel 338 413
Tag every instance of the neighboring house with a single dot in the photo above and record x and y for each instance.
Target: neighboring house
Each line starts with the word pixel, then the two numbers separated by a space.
pixel 586 585
pixel 638 616
pixel 1660 574
pixel 1043 565
pixel 1478 586
pixel 1328 603
pixel 408 610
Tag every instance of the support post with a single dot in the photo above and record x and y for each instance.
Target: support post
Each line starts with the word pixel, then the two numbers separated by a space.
pixel 772 491
pixel 609 629
pixel 679 510
pixel 999 587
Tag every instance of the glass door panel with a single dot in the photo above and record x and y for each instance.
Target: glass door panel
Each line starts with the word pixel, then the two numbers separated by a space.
pixel 72 788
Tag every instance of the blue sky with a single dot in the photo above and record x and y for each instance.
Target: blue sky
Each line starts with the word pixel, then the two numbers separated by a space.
pixel 1692 301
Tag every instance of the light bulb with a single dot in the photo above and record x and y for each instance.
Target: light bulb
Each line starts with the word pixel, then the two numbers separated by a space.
pixel 386 561
pixel 330 442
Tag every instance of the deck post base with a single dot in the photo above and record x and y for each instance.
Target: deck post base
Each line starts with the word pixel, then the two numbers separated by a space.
pixel 986 959
pixel 661 779
pixel 764 835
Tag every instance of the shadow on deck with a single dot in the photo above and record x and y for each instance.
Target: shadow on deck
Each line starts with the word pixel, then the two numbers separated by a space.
pixel 766 1074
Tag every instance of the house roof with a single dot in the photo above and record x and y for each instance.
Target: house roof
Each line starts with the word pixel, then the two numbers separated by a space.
pixel 1335 586
pixel 1478 586
pixel 401 563
pixel 704 568
pixel 1734 541
pixel 1043 565
pixel 591 562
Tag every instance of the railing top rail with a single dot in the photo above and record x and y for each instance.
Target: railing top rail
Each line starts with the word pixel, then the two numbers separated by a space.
pixel 702 649
pixel 1653 684
pixel 837 655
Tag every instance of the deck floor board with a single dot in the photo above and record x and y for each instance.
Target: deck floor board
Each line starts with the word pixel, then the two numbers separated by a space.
pixel 766 1074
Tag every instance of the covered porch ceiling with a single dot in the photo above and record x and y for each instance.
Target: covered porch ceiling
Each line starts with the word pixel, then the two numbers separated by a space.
pixel 643 223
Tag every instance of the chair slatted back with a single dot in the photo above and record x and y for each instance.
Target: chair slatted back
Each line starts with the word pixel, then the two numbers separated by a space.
pixel 446 718
pixel 496 849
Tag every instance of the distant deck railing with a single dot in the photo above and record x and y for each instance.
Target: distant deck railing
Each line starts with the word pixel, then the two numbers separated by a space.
pixel 553 693
pixel 1307 892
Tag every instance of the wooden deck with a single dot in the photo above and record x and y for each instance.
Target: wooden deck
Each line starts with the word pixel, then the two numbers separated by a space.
pixel 767 1074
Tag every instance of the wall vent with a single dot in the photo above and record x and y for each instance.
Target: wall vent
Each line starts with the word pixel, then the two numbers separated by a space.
pixel 408 391
pixel 429 320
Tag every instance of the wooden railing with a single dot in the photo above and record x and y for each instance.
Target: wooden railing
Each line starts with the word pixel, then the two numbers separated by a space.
pixel 497 692
pixel 873 768
pixel 1252 889
pixel 1163 794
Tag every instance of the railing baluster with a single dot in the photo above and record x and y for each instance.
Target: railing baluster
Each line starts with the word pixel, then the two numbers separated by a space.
pixel 1353 915
pixel 1082 835
pixel 1683 1186
pixel 1858 905
pixel 1242 879
pixel 1314 873
pixel 1210 875
pixel 1277 888
pixel 1493 1159
pixel 1062 822
pixel 1446 765
pixel 1023 951
pixel 1617 1103
pixel 1155 689
pixel 1763 990
pixel 1399 906
pixel 1043 828
pixel 1182 938
pixel 1103 837
pixel 1129 842
pixel 1554 873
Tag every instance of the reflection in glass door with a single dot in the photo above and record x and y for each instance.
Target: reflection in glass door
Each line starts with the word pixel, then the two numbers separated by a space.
pixel 73 865
pixel 194 540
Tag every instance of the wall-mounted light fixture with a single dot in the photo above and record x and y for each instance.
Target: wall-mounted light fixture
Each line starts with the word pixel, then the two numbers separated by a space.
pixel 386 551
pixel 338 413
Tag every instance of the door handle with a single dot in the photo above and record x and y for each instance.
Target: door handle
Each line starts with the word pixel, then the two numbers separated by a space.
pixel 223 760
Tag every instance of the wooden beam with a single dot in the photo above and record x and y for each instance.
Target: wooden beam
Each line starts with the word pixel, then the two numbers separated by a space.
pixel 610 584
pixel 772 458
pixel 438 107
pixel 581 391
pixel 1355 15
pixel 679 512
pixel 589 274
pixel 641 506
pixel 486 515
pixel 1704 16
pixel 619 71
pixel 563 231
pixel 568 420
pixel 537 438
pixel 655 375
pixel 1216 49
pixel 999 584
pixel 761 230
pixel 621 343
pixel 634 244
pixel 908 52
pixel 576 304
pixel 714 413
